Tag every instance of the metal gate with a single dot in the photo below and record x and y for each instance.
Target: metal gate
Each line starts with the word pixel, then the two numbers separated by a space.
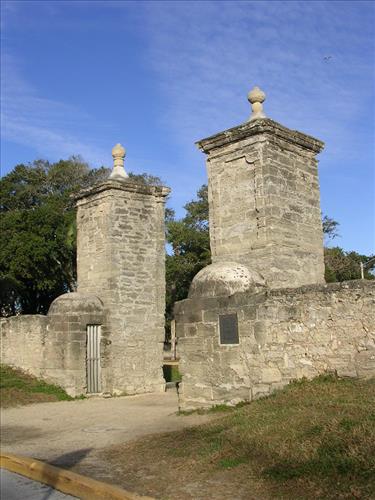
pixel 93 359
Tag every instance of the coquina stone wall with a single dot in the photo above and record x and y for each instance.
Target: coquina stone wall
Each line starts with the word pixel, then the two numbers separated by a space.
pixel 121 259
pixel 283 335
pixel 109 337
pixel 65 348
pixel 22 342
pixel 53 347
pixel 260 315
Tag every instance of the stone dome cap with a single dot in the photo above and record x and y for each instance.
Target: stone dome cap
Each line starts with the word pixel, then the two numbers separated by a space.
pixel 76 302
pixel 225 279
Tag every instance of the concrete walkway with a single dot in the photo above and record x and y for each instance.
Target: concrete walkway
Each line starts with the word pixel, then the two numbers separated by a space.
pixel 68 433
pixel 16 487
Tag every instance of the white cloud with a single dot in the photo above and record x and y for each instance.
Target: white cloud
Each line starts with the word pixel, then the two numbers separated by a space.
pixel 47 126
pixel 207 55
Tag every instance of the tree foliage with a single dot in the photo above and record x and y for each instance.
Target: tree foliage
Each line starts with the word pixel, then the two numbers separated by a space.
pixel 330 228
pixel 38 244
pixel 343 266
pixel 190 243
pixel 145 179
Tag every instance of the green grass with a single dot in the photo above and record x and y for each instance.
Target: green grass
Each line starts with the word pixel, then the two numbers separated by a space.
pixel 313 439
pixel 229 463
pixel 17 388
pixel 321 431
pixel 171 373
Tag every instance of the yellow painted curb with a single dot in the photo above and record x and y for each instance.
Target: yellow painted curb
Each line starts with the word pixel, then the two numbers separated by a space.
pixel 64 480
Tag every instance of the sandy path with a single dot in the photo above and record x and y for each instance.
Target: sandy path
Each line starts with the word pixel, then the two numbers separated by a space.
pixel 70 432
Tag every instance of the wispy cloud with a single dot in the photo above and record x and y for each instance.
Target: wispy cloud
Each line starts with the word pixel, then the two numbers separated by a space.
pixel 207 54
pixel 53 129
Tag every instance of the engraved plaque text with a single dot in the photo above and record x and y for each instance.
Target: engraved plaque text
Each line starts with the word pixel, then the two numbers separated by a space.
pixel 228 326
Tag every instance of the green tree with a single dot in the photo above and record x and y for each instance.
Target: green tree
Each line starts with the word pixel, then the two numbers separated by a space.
pixel 330 228
pixel 145 179
pixel 339 264
pixel 38 244
pixel 343 266
pixel 190 243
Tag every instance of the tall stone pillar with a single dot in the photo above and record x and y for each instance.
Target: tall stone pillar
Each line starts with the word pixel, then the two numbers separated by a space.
pixel 121 259
pixel 264 201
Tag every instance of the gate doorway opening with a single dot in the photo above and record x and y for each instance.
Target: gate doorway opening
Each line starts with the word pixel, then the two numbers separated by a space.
pixel 93 359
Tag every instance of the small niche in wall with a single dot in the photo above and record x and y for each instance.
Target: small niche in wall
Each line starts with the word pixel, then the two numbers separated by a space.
pixel 228 329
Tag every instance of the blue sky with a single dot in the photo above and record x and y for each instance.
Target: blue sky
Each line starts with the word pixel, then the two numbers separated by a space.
pixel 78 77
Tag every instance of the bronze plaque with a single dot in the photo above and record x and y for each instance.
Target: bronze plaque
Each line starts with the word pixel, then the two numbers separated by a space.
pixel 228 326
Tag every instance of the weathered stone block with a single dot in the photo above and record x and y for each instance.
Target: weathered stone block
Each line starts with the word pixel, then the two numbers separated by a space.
pixel 325 337
pixel 121 259
pixel 270 375
pixel 260 390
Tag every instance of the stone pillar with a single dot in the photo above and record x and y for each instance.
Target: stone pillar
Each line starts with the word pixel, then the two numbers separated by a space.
pixel 264 201
pixel 121 259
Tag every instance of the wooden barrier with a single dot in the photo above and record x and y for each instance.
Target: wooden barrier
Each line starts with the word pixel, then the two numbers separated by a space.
pixel 64 480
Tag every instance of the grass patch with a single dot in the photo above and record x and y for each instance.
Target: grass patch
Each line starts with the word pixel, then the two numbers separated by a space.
pixel 18 388
pixel 171 373
pixel 229 463
pixel 314 436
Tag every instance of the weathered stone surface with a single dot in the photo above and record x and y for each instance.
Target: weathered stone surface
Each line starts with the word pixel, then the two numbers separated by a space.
pixel 54 347
pixel 265 220
pixel 225 278
pixel 121 287
pixel 22 339
pixel 300 332
pixel 121 259
pixel 263 194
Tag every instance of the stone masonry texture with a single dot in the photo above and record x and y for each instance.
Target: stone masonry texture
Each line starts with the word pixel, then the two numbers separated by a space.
pixel 53 347
pixel 283 335
pixel 264 202
pixel 121 259
pixel 22 338
pixel 121 287
pixel 267 277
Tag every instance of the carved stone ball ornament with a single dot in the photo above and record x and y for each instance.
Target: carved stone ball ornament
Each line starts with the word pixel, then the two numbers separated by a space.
pixel 256 97
pixel 118 154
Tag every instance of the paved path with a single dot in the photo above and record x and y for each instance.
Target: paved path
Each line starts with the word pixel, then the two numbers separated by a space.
pixel 70 432
pixel 16 487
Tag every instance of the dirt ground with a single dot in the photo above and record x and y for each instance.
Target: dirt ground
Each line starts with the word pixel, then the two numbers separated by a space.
pixel 86 435
pixel 144 466
pixel 312 440
pixel 73 434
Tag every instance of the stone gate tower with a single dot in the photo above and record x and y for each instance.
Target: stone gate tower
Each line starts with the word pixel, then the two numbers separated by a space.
pixel 241 336
pixel 264 201
pixel 120 259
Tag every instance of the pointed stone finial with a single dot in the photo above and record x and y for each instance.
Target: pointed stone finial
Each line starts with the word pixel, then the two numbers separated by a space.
pixel 118 154
pixel 256 97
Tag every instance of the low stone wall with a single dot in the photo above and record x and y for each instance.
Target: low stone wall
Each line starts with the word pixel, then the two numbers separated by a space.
pixel 22 342
pixel 53 347
pixel 283 335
